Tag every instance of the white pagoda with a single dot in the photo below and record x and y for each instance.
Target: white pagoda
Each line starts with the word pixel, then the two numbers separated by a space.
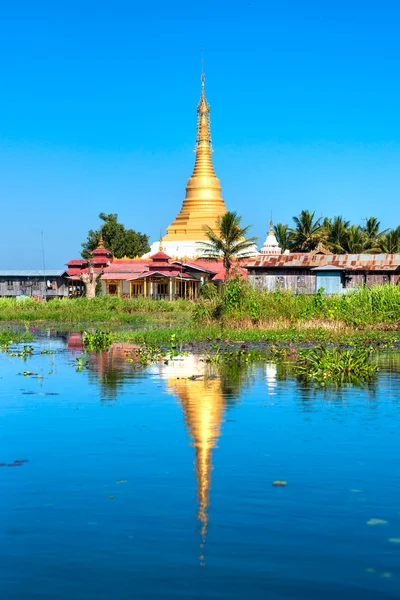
pixel 271 246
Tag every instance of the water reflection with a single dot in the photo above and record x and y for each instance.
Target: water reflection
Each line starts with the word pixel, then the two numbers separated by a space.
pixel 271 372
pixel 201 395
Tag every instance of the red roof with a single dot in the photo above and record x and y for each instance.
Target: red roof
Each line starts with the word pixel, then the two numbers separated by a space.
pixel 160 256
pixel 81 261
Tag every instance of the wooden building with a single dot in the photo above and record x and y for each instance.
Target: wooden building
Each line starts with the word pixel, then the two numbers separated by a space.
pixel 306 273
pixel 37 284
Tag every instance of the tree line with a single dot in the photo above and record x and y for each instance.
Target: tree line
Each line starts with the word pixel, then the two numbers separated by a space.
pixel 337 235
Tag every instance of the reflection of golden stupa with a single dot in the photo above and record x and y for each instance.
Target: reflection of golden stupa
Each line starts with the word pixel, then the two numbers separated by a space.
pixel 203 407
pixel 203 203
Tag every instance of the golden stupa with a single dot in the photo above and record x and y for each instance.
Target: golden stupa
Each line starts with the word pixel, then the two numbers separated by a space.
pixel 203 202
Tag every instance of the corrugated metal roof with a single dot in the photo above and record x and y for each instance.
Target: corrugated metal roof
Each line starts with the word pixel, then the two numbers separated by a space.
pixel 351 262
pixel 28 273
pixel 328 268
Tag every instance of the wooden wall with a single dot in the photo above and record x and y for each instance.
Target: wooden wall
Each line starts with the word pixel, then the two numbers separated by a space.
pixel 33 287
pixel 300 281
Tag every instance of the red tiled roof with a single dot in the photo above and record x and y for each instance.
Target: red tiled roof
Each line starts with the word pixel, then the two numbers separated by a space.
pixel 81 261
pixel 101 251
pixel 160 256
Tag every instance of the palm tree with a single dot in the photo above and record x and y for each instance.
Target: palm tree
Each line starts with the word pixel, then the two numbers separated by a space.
pixel 372 235
pixel 307 233
pixel 354 243
pixel 390 241
pixel 336 232
pixel 282 236
pixel 228 241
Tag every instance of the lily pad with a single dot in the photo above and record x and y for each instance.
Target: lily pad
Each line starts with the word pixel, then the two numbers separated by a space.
pixel 376 522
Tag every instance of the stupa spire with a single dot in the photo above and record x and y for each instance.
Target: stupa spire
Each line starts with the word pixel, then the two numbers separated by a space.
pixel 203 203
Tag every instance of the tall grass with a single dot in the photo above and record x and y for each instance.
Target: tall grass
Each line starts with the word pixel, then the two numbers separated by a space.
pixel 104 309
pixel 243 305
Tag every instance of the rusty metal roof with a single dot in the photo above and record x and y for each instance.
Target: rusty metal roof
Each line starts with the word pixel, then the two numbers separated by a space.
pixel 349 262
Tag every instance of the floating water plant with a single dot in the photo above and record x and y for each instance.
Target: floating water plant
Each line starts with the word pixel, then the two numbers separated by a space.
pixel 81 364
pixel 335 365
pixel 99 341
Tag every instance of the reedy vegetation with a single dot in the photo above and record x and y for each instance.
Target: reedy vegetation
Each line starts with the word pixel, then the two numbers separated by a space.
pixel 238 306
pixel 242 305
pixel 337 234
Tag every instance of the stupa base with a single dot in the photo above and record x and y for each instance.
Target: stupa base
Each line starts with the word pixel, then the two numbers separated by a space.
pixel 186 249
pixel 177 249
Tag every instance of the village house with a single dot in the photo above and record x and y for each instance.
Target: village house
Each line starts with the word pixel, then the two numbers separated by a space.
pixel 308 272
pixel 333 273
pixel 34 283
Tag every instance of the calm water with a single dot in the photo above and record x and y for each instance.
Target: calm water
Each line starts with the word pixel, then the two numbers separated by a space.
pixel 154 484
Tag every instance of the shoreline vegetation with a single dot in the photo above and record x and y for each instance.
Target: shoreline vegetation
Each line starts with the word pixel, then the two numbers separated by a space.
pixel 239 313
pixel 325 340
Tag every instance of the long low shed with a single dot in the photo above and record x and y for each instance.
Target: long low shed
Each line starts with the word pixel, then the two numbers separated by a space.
pixel 35 283
pixel 333 273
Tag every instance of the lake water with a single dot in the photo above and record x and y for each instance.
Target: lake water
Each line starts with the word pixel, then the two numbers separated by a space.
pixel 151 483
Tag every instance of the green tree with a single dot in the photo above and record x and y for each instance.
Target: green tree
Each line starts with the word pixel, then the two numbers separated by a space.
pixel 228 241
pixel 307 232
pixel 282 235
pixel 335 233
pixel 372 235
pixel 390 241
pixel 355 240
pixel 118 240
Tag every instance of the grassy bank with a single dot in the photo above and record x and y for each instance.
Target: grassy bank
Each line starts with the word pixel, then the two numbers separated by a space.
pixel 243 311
pixel 243 306
pixel 99 310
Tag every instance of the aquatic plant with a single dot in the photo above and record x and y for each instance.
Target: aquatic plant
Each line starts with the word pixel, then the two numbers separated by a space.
pixel 98 341
pixel 8 337
pixel 335 365
pixel 81 363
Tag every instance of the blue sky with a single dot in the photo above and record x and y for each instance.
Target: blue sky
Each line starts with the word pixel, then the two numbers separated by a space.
pixel 98 113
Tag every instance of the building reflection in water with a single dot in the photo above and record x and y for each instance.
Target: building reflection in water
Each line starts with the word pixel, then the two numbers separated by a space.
pixel 109 370
pixel 203 407
pixel 271 372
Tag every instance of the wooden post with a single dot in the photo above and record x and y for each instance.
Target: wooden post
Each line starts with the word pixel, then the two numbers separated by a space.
pixel 145 287
pixel 151 289
pixel 170 289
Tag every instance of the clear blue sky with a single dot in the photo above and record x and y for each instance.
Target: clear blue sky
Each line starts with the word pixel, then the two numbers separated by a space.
pixel 98 113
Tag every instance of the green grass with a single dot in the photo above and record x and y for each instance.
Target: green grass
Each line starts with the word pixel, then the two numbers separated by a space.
pixel 99 310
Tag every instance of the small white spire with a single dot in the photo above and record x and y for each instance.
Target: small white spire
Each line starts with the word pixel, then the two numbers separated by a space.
pixel 271 246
